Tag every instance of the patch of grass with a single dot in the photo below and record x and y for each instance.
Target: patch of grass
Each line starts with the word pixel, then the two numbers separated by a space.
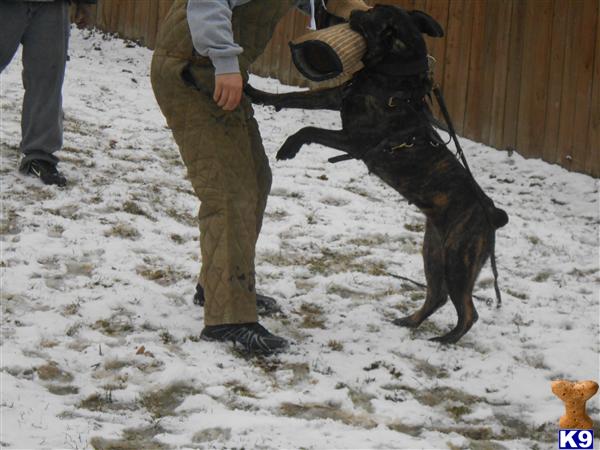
pixel 511 428
pixel 332 201
pixel 114 325
pixel 56 231
pixel 438 395
pixel 411 430
pixel 166 337
pixel 71 309
pixel 57 389
pixel 376 268
pixel 583 272
pixel 163 276
pixel 418 227
pixel 212 435
pixel 312 316
pixel 417 295
pixel 178 239
pixel 48 343
pixel 278 214
pixel 239 389
pixel 132 207
pixel 361 399
pixel 519 295
pixel 133 439
pixel 116 364
pixel 163 402
pixel 457 411
pixel 336 346
pixel 542 276
pixel 104 402
pixel 485 283
pixel 9 223
pixel 316 411
pixel 369 240
pixel 342 291
pixel 123 230
pixel 51 372
pixel 331 262
pixel 182 217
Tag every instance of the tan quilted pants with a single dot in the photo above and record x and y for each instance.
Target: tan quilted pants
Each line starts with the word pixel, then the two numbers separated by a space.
pixel 230 174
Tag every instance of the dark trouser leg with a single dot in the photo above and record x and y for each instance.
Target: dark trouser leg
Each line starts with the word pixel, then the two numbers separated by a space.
pixel 13 22
pixel 44 57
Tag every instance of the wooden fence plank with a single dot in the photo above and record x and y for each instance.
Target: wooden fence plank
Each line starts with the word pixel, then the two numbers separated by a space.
pixel 152 24
pixel 438 9
pixel 513 79
pixel 490 68
pixel 500 73
pixel 583 82
pixel 567 104
pixel 460 19
pixel 142 11
pixel 554 89
pixel 592 165
pixel 115 15
pixel 473 121
pixel 534 77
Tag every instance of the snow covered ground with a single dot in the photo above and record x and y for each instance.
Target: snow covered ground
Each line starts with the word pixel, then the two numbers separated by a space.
pixel 96 271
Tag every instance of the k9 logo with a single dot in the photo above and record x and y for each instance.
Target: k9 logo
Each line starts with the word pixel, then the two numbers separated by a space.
pixel 575 439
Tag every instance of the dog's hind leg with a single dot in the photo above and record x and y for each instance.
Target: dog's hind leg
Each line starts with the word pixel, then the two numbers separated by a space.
pixel 464 259
pixel 337 139
pixel 433 262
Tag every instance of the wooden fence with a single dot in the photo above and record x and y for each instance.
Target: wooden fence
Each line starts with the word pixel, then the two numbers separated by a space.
pixel 517 74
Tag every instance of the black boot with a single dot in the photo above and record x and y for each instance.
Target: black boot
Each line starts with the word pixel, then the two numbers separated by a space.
pixel 265 306
pixel 45 171
pixel 252 336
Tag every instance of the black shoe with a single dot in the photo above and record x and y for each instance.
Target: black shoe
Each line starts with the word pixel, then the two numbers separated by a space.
pixel 252 336
pixel 265 306
pixel 46 171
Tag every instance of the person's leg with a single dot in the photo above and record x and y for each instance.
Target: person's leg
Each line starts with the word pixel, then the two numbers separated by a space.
pixel 261 163
pixel 217 152
pixel 44 57
pixel 13 21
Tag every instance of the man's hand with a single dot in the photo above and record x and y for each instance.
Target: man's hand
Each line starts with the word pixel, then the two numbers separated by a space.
pixel 228 90
pixel 83 15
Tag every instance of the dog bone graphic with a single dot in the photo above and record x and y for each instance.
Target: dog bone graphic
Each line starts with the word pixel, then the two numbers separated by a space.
pixel 575 395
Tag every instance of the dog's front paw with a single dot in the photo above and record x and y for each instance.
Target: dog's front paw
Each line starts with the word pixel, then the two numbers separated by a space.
pixel 407 322
pixel 289 149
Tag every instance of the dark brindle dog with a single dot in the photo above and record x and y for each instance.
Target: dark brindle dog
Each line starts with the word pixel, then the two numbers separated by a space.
pixel 388 125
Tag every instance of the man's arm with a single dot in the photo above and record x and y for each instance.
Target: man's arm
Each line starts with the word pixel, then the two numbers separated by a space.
pixel 210 27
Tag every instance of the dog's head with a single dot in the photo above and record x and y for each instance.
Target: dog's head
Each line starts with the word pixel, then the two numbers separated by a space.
pixel 394 34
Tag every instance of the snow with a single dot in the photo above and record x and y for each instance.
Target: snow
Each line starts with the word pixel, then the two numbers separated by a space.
pixel 92 272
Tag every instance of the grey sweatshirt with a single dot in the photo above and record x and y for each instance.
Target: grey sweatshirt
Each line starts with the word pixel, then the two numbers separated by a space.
pixel 210 27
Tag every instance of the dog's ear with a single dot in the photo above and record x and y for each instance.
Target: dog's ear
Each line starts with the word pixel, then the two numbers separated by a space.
pixel 426 24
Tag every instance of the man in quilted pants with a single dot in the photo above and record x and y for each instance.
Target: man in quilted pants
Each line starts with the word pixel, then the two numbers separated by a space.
pixel 200 64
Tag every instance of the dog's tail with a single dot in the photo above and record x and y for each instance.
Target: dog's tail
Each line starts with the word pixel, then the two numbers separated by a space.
pixel 499 218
